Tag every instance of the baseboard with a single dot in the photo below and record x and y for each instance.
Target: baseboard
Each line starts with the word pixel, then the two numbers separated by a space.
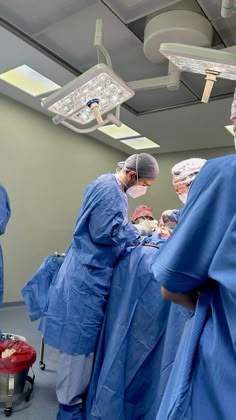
pixel 12 304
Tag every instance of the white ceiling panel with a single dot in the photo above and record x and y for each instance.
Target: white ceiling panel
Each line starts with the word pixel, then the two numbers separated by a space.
pixel 73 38
pixel 211 8
pixel 225 27
pixel 130 10
pixel 34 15
pixel 18 53
pixel 160 98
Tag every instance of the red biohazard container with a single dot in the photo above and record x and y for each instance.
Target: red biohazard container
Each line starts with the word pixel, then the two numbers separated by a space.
pixel 16 357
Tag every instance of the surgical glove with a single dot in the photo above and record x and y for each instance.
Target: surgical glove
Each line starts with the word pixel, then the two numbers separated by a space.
pixel 154 224
pixel 145 228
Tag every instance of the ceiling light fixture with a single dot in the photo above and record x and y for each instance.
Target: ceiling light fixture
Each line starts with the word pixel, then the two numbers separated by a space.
pixel 207 61
pixel 28 80
pixel 230 129
pixel 121 132
pixel 140 143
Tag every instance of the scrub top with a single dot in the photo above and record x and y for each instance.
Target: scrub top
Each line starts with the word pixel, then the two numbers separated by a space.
pixel 77 298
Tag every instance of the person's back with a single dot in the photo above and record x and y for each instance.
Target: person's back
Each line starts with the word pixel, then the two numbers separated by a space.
pixel 202 266
pixel 138 344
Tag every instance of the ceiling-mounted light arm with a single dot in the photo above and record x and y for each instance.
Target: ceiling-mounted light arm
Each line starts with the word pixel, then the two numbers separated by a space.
pixel 171 82
pixel 110 118
pixel 118 112
pixel 98 44
pixel 207 61
pixel 210 80
pixel 228 8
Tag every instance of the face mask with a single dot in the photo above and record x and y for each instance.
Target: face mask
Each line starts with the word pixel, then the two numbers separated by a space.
pixel 137 191
pixel 183 197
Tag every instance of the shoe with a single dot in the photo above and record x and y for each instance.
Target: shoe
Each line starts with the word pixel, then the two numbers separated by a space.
pixel 71 412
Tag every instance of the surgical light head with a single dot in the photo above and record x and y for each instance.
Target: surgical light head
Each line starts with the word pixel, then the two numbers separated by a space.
pixel 210 62
pixel 99 86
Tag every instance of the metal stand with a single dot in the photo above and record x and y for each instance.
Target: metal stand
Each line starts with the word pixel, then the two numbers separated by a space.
pixel 41 363
pixel 13 397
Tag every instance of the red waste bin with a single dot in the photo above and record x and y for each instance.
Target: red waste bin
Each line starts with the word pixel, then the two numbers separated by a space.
pixel 16 357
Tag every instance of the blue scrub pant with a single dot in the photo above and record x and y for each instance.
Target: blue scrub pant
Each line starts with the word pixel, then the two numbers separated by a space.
pixel 73 378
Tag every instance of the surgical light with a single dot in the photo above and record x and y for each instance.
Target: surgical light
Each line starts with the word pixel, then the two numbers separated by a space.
pixel 78 99
pixel 99 90
pixel 207 61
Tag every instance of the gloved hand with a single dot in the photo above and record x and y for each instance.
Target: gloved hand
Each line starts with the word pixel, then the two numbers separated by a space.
pixel 146 227
pixel 154 224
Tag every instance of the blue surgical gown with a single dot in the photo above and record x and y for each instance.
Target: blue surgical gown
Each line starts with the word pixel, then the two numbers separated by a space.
pixel 77 299
pixel 5 213
pixel 201 255
pixel 138 343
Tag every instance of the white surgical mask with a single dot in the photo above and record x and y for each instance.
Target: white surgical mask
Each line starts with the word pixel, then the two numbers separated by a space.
pixel 183 197
pixel 137 191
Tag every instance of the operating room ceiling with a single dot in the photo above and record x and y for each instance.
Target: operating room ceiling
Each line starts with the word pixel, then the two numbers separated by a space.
pixel 55 38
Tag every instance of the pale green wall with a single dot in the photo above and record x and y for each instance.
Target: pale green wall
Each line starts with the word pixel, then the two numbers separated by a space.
pixel 45 170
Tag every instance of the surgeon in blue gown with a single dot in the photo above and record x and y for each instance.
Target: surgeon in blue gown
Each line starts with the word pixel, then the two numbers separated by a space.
pixel 5 213
pixel 198 271
pixel 73 318
pixel 138 343
pixel 141 331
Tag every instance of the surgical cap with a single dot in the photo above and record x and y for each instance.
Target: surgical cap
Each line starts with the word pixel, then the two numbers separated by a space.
pixel 142 211
pixel 186 171
pixel 144 164
pixel 169 218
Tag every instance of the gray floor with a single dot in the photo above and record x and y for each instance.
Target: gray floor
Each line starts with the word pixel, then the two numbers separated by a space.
pixel 43 402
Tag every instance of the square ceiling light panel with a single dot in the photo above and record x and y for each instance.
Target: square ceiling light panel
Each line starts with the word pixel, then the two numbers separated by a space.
pixel 29 80
pixel 121 132
pixel 139 143
pixel 230 129
pixel 199 59
pixel 100 83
